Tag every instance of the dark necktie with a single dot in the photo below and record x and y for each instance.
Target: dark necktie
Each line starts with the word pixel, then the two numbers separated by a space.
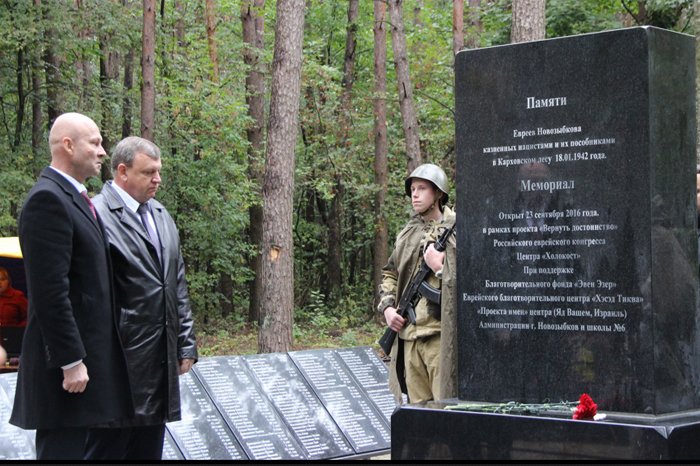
pixel 92 207
pixel 143 212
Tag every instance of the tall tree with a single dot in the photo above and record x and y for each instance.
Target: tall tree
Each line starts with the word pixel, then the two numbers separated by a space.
pixel 109 73
pixel 36 75
pixel 128 85
pixel 21 98
pixel 128 82
pixel 148 55
pixel 52 66
pixel 276 316
pixel 380 246
pixel 37 115
pixel 335 241
pixel 457 25
pixel 254 40
pixel 210 14
pixel 405 88
pixel 83 65
pixel 528 20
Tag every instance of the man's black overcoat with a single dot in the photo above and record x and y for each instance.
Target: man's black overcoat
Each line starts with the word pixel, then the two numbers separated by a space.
pixel 71 314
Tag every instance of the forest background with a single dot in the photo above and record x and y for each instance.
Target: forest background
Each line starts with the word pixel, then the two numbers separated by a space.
pixel 372 97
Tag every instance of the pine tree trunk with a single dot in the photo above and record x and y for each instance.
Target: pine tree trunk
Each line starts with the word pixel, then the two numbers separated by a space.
pixel 109 70
pixel 381 242
pixel 128 85
pixel 405 88
pixel 37 116
pixel 210 13
pixel 528 20
pixel 83 65
pixel 21 98
pixel 148 92
pixel 253 36
pixel 334 264
pixel 52 67
pixel 276 319
pixel 457 25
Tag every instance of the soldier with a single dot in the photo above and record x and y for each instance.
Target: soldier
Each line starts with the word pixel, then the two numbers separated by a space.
pixel 423 357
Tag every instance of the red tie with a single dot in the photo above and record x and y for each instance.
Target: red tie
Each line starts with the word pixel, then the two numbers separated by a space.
pixel 92 207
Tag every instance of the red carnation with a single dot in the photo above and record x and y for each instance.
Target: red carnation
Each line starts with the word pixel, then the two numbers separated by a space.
pixel 586 408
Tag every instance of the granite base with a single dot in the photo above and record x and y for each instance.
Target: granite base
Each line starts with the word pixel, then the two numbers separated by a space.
pixel 430 432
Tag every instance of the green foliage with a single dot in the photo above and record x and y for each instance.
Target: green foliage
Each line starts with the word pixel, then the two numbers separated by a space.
pixel 201 129
pixel 496 19
pixel 569 17
pixel 667 14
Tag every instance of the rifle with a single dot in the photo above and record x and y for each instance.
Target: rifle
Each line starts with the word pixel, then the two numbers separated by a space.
pixel 416 289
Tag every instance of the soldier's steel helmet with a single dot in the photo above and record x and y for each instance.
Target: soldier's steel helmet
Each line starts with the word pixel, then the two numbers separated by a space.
pixel 432 173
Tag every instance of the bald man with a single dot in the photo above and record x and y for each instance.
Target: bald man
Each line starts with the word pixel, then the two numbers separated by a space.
pixel 72 371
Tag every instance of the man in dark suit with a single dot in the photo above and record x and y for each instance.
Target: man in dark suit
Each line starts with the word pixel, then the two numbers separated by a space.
pixel 72 371
pixel 151 295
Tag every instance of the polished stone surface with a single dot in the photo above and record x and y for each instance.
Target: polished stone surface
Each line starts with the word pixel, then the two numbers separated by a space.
pixel 458 435
pixel 304 405
pixel 577 260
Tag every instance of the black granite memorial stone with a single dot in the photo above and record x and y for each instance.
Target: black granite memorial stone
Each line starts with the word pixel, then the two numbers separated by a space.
pixel 202 433
pixel 372 375
pixel 15 443
pixel 315 404
pixel 437 434
pixel 259 428
pixel 360 421
pixel 307 419
pixel 577 261
pixel 577 258
pixel 171 452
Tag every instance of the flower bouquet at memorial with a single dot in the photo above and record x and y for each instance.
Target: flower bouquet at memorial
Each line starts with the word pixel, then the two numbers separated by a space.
pixel 583 409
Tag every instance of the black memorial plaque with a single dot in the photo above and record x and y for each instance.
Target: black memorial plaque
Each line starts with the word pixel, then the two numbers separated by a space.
pixel 372 375
pixel 202 433
pixel 15 443
pixel 258 427
pixel 361 422
pixel 283 384
pixel 577 261
pixel 171 452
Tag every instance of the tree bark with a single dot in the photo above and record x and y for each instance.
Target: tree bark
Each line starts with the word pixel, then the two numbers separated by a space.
pixel 254 36
pixel 109 70
pixel 405 88
pixel 381 240
pixel 83 66
pixel 128 85
pixel 148 92
pixel 52 67
pixel 210 13
pixel 21 100
pixel 276 319
pixel 37 115
pixel 457 25
pixel 334 264
pixel 528 21
pixel 349 64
